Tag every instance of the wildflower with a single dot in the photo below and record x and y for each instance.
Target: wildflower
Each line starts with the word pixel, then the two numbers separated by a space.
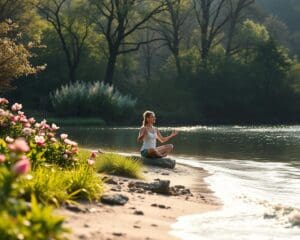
pixel 8 139
pixel 74 150
pixel 63 136
pixel 19 145
pixel 2 158
pixel 50 134
pixel 31 120
pixel 26 131
pixel 54 127
pixel 65 156
pixel 16 107
pixel 22 166
pixel 70 142
pixel 90 162
pixel 53 139
pixel 39 140
pixel 3 101
pixel 94 154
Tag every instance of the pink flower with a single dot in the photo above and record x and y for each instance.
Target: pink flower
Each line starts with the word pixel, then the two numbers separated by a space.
pixel 2 158
pixel 53 139
pixel 8 139
pixel 63 136
pixel 27 124
pixel 94 154
pixel 50 134
pixel 31 120
pixel 19 145
pixel 39 140
pixel 91 162
pixel 16 107
pixel 65 156
pixel 3 101
pixel 22 166
pixel 74 150
pixel 26 131
pixel 4 113
pixel 70 142
pixel 54 127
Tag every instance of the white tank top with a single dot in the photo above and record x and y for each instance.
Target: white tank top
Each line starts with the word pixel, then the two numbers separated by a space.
pixel 149 140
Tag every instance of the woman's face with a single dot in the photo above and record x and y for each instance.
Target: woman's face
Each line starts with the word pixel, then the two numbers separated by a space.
pixel 151 119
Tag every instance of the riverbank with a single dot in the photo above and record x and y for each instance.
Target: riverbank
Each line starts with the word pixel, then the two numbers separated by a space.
pixel 146 215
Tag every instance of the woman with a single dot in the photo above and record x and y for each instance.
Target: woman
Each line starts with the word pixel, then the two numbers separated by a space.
pixel 148 135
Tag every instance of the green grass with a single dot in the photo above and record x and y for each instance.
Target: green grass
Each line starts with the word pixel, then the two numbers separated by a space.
pixel 56 186
pixel 115 164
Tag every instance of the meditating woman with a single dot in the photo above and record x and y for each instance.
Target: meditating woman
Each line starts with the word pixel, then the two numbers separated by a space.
pixel 148 135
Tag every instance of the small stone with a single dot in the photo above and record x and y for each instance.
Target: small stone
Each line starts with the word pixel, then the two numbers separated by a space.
pixel 161 206
pixel 165 173
pixel 153 205
pixel 138 212
pixel 115 199
pixel 118 234
pixel 75 208
pixel 135 226
pixel 86 225
pixel 92 210
pixel 154 225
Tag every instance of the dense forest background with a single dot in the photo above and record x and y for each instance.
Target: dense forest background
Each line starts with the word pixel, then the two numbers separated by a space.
pixel 190 61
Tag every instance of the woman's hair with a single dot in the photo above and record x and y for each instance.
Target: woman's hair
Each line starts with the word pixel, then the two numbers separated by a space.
pixel 146 114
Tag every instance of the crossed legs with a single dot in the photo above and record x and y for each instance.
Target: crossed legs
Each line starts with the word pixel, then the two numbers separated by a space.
pixel 160 151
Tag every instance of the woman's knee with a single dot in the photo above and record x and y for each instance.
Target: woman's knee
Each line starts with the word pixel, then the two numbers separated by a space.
pixel 170 147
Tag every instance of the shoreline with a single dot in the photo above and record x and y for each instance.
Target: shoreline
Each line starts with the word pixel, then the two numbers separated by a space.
pixel 146 215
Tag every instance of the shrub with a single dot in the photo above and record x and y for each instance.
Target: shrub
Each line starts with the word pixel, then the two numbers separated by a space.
pixel 45 147
pixel 118 165
pixel 86 99
pixel 20 220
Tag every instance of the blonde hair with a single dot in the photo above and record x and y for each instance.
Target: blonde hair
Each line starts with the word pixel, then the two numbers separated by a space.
pixel 146 114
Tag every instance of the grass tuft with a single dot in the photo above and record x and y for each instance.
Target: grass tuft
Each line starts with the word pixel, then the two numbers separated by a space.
pixel 115 164
pixel 55 186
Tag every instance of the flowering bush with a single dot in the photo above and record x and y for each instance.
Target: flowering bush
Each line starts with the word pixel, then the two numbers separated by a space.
pixel 40 137
pixel 20 220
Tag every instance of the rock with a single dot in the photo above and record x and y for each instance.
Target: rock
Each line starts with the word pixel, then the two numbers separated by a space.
pixel 161 186
pixel 136 226
pixel 114 199
pixel 86 225
pixel 159 162
pixel 118 234
pixel 153 205
pixel 75 208
pixel 138 212
pixel 165 173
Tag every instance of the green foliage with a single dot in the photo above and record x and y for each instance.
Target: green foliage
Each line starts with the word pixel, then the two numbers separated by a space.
pixel 86 99
pixel 20 220
pixel 56 186
pixel 118 165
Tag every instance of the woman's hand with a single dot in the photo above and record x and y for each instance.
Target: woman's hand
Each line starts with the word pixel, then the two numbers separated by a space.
pixel 174 133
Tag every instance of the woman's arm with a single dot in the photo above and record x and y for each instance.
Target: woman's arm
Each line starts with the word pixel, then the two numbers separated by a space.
pixel 165 139
pixel 142 134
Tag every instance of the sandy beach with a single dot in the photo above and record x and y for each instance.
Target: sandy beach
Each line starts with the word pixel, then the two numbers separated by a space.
pixel 146 215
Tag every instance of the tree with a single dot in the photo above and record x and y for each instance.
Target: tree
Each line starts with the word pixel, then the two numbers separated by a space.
pixel 236 8
pixel 118 20
pixel 71 22
pixel 251 35
pixel 14 57
pixel 211 17
pixel 171 27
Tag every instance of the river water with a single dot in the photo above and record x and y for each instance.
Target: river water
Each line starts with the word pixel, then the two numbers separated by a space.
pixel 256 175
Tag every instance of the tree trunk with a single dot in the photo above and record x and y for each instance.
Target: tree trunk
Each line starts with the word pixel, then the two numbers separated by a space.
pixel 110 68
